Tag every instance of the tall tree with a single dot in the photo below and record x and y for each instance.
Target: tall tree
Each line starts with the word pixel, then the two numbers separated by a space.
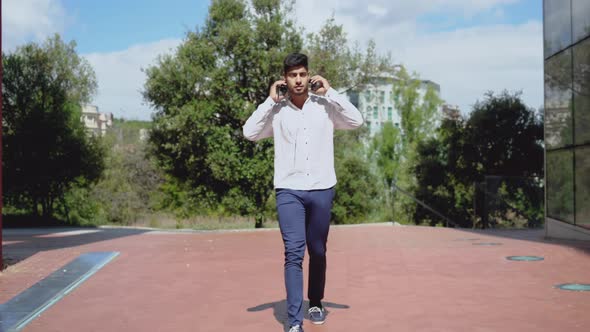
pixel 418 105
pixel 442 176
pixel 502 137
pixel 506 136
pixel 348 69
pixel 505 141
pixel 45 146
pixel 204 93
pixel 393 149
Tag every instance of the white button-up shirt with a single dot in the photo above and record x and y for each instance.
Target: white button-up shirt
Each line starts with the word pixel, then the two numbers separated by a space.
pixel 303 138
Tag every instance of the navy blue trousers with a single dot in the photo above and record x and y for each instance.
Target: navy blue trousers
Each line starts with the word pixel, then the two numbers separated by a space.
pixel 304 220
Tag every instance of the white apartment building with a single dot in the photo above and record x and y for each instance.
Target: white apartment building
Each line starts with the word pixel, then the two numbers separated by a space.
pixel 95 122
pixel 377 104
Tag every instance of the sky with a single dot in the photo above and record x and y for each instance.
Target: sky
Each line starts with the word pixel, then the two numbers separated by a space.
pixel 469 47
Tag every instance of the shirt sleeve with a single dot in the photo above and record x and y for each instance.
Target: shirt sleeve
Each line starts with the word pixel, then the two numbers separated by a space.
pixel 344 114
pixel 259 124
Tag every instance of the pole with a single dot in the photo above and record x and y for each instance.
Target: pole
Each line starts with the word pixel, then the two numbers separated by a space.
pixel 1 257
pixel 392 197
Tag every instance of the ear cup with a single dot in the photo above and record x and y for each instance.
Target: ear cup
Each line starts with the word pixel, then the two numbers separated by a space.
pixel 282 89
pixel 316 85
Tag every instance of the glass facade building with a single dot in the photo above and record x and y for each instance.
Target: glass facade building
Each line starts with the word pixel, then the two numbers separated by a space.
pixel 566 32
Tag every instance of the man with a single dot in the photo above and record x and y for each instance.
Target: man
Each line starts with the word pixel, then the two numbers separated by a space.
pixel 302 125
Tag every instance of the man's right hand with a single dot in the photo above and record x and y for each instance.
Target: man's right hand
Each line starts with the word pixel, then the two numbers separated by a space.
pixel 273 91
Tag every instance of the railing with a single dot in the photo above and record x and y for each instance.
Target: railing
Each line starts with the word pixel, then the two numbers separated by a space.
pixel 498 202
pixel 396 188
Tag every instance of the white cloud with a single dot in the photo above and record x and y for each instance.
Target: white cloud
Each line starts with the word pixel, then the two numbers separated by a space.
pixel 377 10
pixel 121 79
pixel 469 62
pixel 465 61
pixel 23 21
pixel 119 75
pixel 313 13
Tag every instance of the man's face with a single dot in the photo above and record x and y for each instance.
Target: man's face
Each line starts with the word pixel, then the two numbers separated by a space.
pixel 297 79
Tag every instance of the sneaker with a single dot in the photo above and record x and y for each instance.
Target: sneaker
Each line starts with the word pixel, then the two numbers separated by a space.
pixel 317 315
pixel 296 328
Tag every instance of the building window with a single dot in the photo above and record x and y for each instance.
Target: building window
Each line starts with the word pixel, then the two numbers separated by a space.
pixel 581 59
pixel 558 101
pixel 583 186
pixel 560 185
pixel 558 28
pixel 375 112
pixel 580 19
pixel 382 97
pixel 390 113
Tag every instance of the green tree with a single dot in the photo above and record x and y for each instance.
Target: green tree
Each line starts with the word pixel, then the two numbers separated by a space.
pixel 506 137
pixel 386 148
pixel 349 69
pixel 502 137
pixel 419 114
pixel 204 93
pixel 358 194
pixel 393 149
pixel 346 68
pixel 216 79
pixel 385 154
pixel 46 149
pixel 440 171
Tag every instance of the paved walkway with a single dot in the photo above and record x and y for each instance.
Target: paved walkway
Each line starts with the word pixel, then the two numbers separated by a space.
pixel 380 278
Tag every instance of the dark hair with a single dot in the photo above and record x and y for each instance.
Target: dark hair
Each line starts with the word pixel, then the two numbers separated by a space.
pixel 294 60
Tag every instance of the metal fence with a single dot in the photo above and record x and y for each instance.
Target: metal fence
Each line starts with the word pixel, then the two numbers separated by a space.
pixel 498 202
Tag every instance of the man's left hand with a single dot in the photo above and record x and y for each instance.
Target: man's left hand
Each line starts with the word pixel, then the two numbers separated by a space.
pixel 322 89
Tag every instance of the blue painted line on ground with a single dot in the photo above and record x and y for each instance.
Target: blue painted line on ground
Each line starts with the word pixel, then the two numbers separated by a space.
pixel 29 304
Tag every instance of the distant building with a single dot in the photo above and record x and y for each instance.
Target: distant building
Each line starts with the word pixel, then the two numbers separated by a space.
pixel 95 122
pixel 451 112
pixel 143 134
pixel 376 101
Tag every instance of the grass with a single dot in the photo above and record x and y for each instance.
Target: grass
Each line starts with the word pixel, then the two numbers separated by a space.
pixel 26 221
pixel 163 221
pixel 6 262
pixel 154 220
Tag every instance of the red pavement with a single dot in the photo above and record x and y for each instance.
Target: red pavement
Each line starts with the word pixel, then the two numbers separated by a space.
pixel 380 278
